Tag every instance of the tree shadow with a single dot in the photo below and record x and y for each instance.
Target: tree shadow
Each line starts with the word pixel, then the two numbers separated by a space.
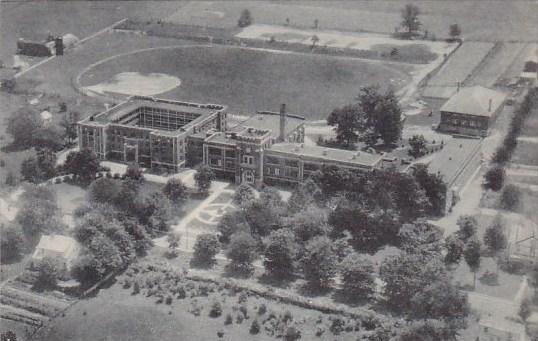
pixel 14 147
pixel 242 272
pixel 201 264
pixel 309 290
pixel 282 283
pixel 340 296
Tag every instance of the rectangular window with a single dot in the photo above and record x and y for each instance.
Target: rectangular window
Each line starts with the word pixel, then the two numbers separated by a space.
pixel 230 153
pixel 291 163
pixel 249 160
pixel 277 171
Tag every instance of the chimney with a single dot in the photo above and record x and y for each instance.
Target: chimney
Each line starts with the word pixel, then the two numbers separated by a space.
pixel 489 106
pixel 458 86
pixel 282 135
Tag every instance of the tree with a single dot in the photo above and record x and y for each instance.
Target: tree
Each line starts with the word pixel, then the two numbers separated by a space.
pixel 49 137
pixel 410 19
pixel 175 190
pixel 134 172
pixel 39 168
pixel 420 237
pixel 206 247
pixel 454 249
pixel 38 213
pixel 280 252
pixel 242 251
pixel 318 262
pixel 467 227
pixel 47 270
pixel 407 274
pixel 472 257
pixel 245 19
pixel 435 188
pixel 11 242
pixel 21 125
pixel 409 197
pixel 494 178
pixel 455 31
pixel 357 277
pixel 428 330
pixel 104 191
pixel 510 196
pixel 30 170
pixel 418 146
pixel 231 223
pixel 203 177
pixel 314 39
pixel 345 121
pixel 441 300
pixel 494 237
pixel 11 179
pixel 8 336
pixel 244 194
pixel 69 124
pixel 309 223
pixel 305 193
pixel 525 309
pixel 83 164
pixel 173 238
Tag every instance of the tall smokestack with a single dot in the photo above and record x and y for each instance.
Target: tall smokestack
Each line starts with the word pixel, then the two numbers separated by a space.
pixel 282 135
pixel 489 105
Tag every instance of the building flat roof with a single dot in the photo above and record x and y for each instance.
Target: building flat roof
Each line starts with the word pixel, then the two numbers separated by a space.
pixel 450 160
pixel 328 154
pixel 267 120
pixel 475 101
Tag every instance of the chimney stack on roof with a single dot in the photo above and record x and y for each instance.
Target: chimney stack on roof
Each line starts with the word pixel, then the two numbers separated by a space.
pixel 489 106
pixel 282 135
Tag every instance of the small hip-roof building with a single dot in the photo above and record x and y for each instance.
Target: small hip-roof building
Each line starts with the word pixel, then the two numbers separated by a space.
pixel 62 248
pixel 471 111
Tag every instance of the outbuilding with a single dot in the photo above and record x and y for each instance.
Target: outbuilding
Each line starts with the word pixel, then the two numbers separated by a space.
pixel 471 111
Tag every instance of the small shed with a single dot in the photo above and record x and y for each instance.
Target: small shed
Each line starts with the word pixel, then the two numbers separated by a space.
pixel 62 248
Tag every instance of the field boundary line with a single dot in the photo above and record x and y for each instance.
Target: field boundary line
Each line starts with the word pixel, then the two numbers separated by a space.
pixel 80 42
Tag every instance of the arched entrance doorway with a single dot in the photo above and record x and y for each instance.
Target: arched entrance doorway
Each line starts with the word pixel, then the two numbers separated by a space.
pixel 248 177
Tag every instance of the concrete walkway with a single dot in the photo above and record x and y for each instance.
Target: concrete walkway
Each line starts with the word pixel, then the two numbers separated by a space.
pixel 188 235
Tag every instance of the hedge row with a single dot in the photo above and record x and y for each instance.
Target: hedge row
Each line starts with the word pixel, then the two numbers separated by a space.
pixel 505 151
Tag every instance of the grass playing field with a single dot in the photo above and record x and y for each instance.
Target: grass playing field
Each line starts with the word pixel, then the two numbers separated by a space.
pixel 250 80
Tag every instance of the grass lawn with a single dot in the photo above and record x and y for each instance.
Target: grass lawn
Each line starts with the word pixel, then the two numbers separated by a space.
pixel 115 314
pixel 251 80
pixel 526 153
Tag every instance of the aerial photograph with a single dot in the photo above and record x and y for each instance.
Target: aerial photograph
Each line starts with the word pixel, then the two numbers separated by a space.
pixel 333 170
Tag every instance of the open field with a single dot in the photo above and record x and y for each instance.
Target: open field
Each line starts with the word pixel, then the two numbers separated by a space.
pixel 496 64
pixel 34 19
pixel 247 80
pixel 526 153
pixel 480 20
pixel 413 51
pixel 136 317
pixel 458 67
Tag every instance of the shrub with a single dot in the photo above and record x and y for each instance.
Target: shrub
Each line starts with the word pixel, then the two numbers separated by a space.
pixel 337 326
pixel 243 309
pixel 292 334
pixel 229 319
pixel 108 175
pixel 243 297
pixel 510 197
pixel 116 175
pixel 175 190
pixel 319 262
pixel 220 333
pixel 262 309
pixel 168 300
pixel 494 178
pixel 288 317
pixel 136 288
pixel 254 327
pixel 357 277
pixel 245 19
pixel 239 318
pixel 216 310
pixel 181 294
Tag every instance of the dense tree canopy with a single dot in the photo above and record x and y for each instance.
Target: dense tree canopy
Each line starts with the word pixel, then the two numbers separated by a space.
pixel 206 248
pixel 434 187
pixel 280 252
pixel 319 263
pixel 21 125
pixel 175 190
pixel 11 242
pixel 410 19
pixel 357 277
pixel 375 116
pixel 407 274
pixel 203 177
pixel 242 251
pixel 84 164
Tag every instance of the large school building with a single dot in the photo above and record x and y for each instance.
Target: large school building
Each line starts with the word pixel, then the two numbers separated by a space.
pixel 169 135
